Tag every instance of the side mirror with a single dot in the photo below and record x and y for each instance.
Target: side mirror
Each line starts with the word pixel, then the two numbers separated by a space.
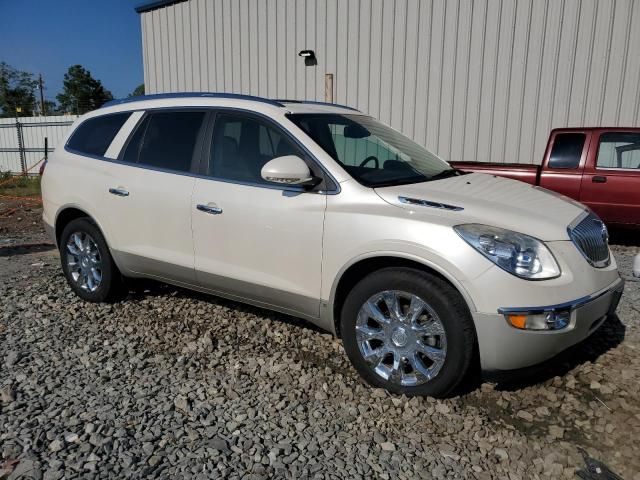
pixel 289 170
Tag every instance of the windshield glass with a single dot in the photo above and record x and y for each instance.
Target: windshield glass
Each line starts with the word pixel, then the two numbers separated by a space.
pixel 372 153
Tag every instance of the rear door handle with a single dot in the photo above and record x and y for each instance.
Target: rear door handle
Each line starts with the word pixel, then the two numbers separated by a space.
pixel 211 209
pixel 121 192
pixel 599 179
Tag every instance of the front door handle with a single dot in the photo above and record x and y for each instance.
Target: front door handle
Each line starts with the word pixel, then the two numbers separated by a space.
pixel 211 209
pixel 599 179
pixel 121 192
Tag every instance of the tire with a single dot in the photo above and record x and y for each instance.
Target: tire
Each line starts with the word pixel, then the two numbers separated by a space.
pixel 97 279
pixel 427 357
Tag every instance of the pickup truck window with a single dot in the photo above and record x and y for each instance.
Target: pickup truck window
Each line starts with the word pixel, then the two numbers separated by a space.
pixel 567 150
pixel 619 150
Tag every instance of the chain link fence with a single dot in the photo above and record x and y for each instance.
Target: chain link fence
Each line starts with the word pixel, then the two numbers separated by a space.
pixel 26 140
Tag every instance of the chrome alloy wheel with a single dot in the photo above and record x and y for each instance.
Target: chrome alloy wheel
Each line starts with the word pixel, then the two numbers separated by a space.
pixel 401 338
pixel 84 261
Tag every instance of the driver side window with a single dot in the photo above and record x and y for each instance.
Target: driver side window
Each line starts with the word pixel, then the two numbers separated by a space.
pixel 242 145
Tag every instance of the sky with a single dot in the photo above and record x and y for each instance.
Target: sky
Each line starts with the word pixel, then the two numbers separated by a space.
pixel 48 36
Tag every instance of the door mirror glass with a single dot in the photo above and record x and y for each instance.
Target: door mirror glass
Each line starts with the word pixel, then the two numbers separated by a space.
pixel 288 170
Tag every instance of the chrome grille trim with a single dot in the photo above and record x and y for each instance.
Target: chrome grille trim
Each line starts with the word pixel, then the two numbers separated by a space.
pixel 589 234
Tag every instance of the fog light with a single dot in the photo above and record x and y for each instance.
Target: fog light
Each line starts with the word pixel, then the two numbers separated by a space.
pixel 551 320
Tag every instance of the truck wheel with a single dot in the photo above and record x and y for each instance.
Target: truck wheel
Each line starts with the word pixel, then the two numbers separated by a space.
pixel 408 331
pixel 87 262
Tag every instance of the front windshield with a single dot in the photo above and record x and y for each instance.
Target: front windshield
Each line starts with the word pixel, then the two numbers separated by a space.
pixel 372 153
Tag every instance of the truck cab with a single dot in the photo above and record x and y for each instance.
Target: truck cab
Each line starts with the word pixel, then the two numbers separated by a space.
pixel 599 167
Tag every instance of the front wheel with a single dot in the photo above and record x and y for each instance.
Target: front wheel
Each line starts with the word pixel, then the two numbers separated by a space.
pixel 87 262
pixel 408 331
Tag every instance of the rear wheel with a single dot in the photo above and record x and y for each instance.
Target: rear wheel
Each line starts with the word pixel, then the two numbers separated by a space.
pixel 408 331
pixel 87 262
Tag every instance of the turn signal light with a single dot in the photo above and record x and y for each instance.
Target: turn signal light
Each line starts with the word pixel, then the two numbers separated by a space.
pixel 518 321
pixel 551 320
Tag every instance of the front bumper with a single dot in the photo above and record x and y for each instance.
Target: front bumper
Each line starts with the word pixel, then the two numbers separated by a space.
pixel 503 347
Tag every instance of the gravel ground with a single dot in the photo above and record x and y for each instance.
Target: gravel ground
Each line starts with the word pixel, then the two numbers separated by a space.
pixel 173 384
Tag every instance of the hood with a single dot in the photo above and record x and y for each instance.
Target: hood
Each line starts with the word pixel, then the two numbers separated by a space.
pixel 490 200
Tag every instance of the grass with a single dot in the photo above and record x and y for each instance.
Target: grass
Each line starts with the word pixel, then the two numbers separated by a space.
pixel 19 186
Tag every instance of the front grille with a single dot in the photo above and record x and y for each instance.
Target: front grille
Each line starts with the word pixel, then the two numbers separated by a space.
pixel 592 239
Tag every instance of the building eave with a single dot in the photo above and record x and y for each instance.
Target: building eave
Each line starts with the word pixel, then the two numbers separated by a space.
pixel 147 7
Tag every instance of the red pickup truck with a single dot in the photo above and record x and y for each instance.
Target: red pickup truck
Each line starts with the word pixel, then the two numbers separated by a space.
pixel 599 167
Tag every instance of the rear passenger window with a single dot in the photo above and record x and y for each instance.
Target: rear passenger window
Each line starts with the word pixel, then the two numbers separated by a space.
pixel 567 150
pixel 166 140
pixel 94 135
pixel 619 150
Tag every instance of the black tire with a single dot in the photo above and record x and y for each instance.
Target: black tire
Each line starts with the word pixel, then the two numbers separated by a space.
pixel 111 284
pixel 443 299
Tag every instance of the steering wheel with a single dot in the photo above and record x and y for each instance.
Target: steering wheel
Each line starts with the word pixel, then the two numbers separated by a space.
pixel 369 159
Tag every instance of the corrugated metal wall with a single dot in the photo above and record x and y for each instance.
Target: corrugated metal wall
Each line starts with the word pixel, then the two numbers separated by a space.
pixel 473 80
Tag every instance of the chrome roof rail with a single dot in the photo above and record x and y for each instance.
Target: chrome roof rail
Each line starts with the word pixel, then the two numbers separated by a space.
pixel 312 102
pixel 158 96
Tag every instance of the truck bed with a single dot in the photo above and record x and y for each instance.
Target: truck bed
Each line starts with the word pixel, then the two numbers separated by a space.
pixel 517 171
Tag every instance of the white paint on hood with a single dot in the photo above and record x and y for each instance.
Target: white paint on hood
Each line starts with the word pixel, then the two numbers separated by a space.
pixel 496 201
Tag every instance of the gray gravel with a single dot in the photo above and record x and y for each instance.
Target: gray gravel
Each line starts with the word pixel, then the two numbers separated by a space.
pixel 174 384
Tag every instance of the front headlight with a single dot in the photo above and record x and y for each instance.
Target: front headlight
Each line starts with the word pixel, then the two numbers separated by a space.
pixel 519 254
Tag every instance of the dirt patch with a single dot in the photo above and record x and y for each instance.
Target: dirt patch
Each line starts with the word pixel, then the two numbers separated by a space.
pixel 20 220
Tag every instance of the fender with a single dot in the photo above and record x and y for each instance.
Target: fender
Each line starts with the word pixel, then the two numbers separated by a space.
pixel 326 312
pixel 88 213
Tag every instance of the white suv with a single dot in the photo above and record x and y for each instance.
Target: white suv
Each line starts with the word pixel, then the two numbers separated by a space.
pixel 324 213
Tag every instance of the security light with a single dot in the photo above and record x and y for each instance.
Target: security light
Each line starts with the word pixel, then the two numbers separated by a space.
pixel 309 57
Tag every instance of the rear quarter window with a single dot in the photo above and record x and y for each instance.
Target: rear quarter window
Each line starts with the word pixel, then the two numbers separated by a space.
pixel 94 135
pixel 567 150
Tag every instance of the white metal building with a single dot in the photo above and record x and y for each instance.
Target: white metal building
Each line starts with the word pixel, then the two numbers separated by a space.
pixel 472 80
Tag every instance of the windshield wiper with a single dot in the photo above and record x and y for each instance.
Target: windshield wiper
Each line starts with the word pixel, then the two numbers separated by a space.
pixel 450 172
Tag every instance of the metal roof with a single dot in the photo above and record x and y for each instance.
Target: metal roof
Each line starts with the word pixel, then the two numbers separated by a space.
pixel 147 7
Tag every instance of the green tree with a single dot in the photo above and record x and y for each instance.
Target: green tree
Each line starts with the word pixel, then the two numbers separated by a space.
pixel 81 92
pixel 17 92
pixel 139 90
pixel 51 108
